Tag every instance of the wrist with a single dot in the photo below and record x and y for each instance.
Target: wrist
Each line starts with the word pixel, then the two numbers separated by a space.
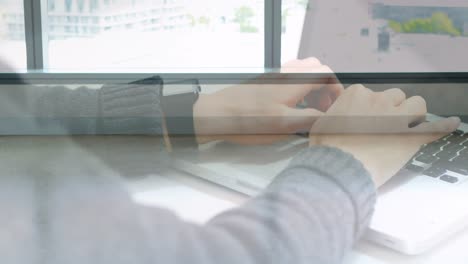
pixel 212 118
pixel 362 148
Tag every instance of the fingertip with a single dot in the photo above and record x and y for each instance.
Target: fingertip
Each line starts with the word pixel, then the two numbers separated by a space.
pixel 455 119
pixel 455 122
pixel 325 102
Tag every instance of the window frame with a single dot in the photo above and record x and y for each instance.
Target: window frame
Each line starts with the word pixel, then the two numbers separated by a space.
pixel 36 53
pixel 36 41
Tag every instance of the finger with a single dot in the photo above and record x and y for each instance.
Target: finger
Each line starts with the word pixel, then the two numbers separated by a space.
pixel 360 93
pixel 416 109
pixel 325 102
pixel 301 66
pixel 443 126
pixel 311 61
pixel 397 96
pixel 322 78
pixel 298 119
pixel 331 82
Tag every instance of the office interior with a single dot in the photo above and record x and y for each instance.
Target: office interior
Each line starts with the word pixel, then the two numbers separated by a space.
pixel 418 46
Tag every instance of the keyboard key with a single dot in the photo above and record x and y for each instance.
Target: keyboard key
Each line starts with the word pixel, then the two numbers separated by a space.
pixel 427 159
pixel 455 139
pixel 449 152
pixel 434 171
pixel 452 147
pixel 458 165
pixel 414 168
pixel 464 153
pixel 449 179
pixel 462 171
pixel 434 147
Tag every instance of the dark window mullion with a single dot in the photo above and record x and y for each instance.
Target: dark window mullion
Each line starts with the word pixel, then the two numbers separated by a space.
pixel 35 40
pixel 273 33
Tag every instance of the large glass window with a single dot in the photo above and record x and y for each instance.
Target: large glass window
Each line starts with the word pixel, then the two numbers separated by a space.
pixel 155 34
pixel 292 18
pixel 12 40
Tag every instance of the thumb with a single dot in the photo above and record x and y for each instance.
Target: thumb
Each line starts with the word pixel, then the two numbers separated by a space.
pixel 431 131
pixel 295 119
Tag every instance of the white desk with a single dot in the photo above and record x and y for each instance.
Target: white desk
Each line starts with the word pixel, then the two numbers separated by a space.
pixel 192 198
pixel 197 200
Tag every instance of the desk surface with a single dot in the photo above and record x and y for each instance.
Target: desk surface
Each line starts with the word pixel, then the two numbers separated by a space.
pixel 192 198
pixel 197 200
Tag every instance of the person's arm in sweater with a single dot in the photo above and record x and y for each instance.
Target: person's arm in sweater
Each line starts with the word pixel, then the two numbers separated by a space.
pixel 313 212
pixel 57 110
pixel 322 203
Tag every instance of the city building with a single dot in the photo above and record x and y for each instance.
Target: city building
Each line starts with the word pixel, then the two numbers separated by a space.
pixel 88 18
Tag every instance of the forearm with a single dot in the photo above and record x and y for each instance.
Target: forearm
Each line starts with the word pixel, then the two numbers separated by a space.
pixel 57 110
pixel 212 119
pixel 313 212
pixel 306 215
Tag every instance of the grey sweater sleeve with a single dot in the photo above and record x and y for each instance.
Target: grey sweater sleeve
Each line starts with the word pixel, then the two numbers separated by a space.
pixel 57 110
pixel 57 210
pixel 312 213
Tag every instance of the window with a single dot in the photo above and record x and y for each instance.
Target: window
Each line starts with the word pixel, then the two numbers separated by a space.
pixel 81 4
pixel 12 38
pixel 68 5
pixel 292 18
pixel 51 5
pixel 350 36
pixel 175 34
pixel 93 5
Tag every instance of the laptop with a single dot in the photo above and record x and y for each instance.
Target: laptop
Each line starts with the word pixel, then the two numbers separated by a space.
pixel 419 208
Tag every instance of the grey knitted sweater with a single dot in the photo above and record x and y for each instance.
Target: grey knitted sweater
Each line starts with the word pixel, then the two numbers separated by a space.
pixel 313 212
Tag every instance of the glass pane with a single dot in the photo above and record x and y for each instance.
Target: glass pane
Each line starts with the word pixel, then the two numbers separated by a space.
pixel 388 35
pixel 12 41
pixel 293 12
pixel 123 34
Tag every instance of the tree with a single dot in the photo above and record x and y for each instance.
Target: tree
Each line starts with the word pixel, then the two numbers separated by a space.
pixel 395 26
pixel 303 3
pixel 3 26
pixel 441 23
pixel 284 20
pixel 438 23
pixel 243 16
pixel 203 20
pixel 192 19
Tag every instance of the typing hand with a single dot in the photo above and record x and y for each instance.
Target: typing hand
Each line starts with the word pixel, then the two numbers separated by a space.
pixel 376 128
pixel 263 111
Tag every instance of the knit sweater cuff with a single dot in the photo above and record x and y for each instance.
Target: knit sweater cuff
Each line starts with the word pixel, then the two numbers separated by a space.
pixel 346 172
pixel 131 109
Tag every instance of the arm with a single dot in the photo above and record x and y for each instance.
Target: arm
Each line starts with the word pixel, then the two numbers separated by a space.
pixel 312 213
pixel 112 109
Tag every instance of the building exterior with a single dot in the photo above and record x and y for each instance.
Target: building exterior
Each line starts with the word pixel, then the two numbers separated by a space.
pixel 87 18
pixel 404 10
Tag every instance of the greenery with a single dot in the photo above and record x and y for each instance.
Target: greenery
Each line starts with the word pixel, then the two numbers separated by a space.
pixel 303 3
pixel 3 27
pixel 243 16
pixel 192 19
pixel 203 20
pixel 438 23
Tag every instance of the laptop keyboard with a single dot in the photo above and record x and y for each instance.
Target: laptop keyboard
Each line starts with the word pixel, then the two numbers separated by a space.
pixel 445 159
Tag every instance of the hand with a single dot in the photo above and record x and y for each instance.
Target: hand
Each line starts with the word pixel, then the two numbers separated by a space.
pixel 261 113
pixel 376 128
